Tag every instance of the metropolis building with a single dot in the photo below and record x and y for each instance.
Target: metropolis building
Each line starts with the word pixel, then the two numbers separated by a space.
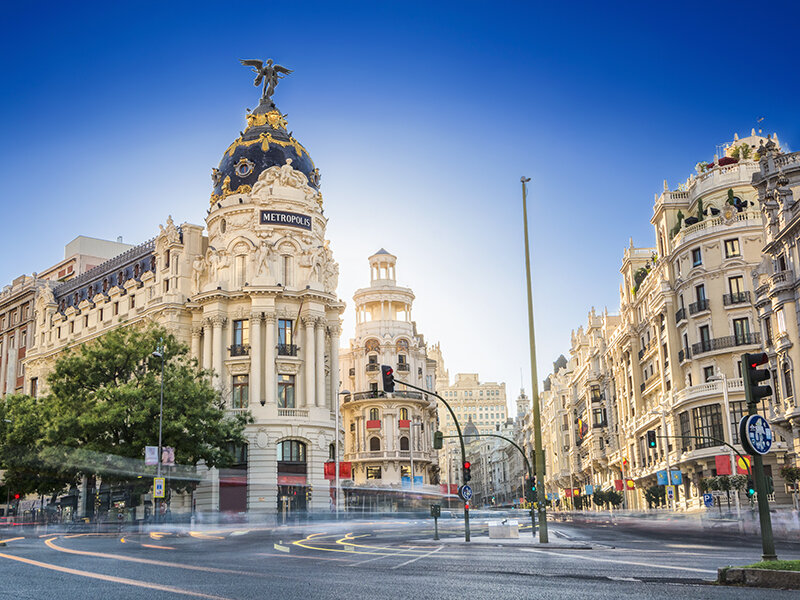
pixel 252 292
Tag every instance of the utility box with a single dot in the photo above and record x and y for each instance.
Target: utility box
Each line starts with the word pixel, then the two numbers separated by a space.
pixel 504 530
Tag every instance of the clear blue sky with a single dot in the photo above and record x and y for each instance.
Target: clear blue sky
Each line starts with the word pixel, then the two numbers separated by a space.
pixel 421 118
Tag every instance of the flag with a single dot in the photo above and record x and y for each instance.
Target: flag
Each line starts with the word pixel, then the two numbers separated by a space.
pixel 568 492
pixel 661 478
pixel 589 490
pixel 630 484
pixel 619 485
pixel 742 466
pixel 723 464
pixel 677 477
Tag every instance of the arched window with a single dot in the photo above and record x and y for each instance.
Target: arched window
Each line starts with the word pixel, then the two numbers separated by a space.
pixel 332 452
pixel 374 414
pixel 291 451
pixel 374 444
pixel 404 443
pixel 404 414
pixel 787 379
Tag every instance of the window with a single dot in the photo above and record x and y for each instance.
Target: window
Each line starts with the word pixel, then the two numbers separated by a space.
pixel 291 451
pixel 700 292
pixel 736 285
pixel 241 332
pixel 23 338
pixel 705 338
pixel 241 386
pixel 401 359
pixel 780 321
pixel 697 258
pixel 708 373
pixel 284 332
pixel 374 444
pixel 133 302
pixel 404 443
pixel 738 410
pixel 787 380
pixel 34 386
pixel 599 417
pixel 404 414
pixel 373 472
pixel 741 331
pixel 768 331
pixel 732 248
pixel 374 414
pixel 116 308
pixel 286 391
pixel 332 452
pixel 100 315
pixel 781 263
pixel 707 425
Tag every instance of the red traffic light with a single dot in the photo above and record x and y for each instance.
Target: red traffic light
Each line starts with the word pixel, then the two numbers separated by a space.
pixel 16 496
pixel 759 358
pixel 467 464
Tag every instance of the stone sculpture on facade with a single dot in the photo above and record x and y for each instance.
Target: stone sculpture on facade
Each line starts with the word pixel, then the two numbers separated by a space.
pixel 268 73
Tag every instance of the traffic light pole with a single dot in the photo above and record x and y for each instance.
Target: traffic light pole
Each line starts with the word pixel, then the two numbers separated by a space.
pixel 527 465
pixel 460 439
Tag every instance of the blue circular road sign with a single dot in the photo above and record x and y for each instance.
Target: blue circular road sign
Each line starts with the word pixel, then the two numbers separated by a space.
pixel 465 492
pixel 758 434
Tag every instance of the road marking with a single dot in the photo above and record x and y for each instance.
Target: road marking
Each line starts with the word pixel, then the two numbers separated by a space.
pixel 158 547
pixel 301 556
pixel 233 533
pixel 112 579
pixel 11 540
pixel 417 558
pixel 621 562
pixel 281 548
pixel 375 558
pixel 205 536
pixel 612 578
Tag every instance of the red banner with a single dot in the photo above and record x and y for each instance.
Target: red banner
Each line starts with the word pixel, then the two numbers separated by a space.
pixel 619 485
pixel 723 464
pixel 404 423
pixel 630 484
pixel 374 424
pixel 454 489
pixel 345 470
pixel 568 492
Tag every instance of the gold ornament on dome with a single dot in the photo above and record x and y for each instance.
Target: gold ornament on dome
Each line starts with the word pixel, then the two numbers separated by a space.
pixel 265 139
pixel 273 118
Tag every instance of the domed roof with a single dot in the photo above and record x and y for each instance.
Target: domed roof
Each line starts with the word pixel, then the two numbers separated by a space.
pixel 471 431
pixel 264 144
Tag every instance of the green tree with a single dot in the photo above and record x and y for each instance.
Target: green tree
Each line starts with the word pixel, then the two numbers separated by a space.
pixel 655 496
pixel 103 409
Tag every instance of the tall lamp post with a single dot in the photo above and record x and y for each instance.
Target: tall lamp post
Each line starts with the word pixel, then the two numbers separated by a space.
pixel 729 427
pixel 160 354
pixel 336 455
pixel 411 449
pixel 8 488
pixel 537 419
pixel 663 414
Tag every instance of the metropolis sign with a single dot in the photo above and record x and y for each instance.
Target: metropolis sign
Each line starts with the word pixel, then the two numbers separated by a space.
pixel 277 217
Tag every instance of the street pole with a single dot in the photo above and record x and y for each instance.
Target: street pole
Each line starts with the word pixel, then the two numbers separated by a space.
pixel 727 413
pixel 160 353
pixel 670 503
pixel 411 454
pixel 336 453
pixel 537 421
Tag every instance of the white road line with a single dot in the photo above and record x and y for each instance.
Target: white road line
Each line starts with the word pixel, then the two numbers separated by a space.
pixel 621 562
pixel 401 553
pixel 417 558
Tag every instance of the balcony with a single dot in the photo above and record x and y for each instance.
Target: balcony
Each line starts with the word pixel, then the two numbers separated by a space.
pixel 680 315
pixel 781 280
pixel 684 354
pixel 287 350
pixel 404 367
pixel 737 298
pixel 699 306
pixel 373 367
pixel 745 339
pixel 293 412
pixel 404 423
pixel 239 350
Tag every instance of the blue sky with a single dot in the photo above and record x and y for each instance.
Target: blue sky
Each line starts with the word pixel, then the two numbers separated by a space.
pixel 421 117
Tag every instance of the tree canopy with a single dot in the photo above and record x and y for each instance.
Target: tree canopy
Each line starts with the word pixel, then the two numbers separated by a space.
pixel 102 409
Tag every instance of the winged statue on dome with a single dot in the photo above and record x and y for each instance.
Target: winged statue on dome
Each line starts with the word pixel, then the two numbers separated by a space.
pixel 269 73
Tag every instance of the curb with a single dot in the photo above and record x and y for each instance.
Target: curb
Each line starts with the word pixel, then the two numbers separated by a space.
pixel 767 578
pixel 509 544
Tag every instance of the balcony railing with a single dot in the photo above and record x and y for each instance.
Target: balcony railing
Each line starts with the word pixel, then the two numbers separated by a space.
pixel 373 367
pixel 744 339
pixel 370 394
pixel 293 412
pixel 680 315
pixel 737 298
pixel 239 350
pixel 404 367
pixel 684 354
pixel 287 350
pixel 699 306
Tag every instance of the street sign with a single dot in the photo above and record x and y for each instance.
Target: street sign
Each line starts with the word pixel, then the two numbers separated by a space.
pixel 436 510
pixel 465 492
pixel 758 434
pixel 158 487
pixel 670 492
pixel 708 500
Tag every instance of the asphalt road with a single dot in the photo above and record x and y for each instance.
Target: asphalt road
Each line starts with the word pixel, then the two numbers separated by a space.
pixel 381 559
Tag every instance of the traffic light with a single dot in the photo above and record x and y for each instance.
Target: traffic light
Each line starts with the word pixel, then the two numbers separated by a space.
pixel 16 496
pixel 438 440
pixel 651 439
pixel 467 475
pixel 751 489
pixel 388 378
pixel 752 376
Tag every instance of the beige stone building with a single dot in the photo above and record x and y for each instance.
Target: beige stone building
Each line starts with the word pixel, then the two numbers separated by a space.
pixel 388 436
pixel 686 315
pixel 252 292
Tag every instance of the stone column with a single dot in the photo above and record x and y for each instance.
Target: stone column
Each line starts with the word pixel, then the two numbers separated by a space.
pixel 335 331
pixel 207 344
pixel 196 331
pixel 219 349
pixel 308 364
pixel 270 378
pixel 255 358
pixel 319 365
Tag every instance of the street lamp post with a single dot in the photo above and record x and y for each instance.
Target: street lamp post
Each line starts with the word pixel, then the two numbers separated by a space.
pixel 411 450
pixel 336 455
pixel 727 416
pixel 663 414
pixel 160 354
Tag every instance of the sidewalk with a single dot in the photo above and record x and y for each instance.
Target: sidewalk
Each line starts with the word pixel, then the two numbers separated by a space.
pixel 524 541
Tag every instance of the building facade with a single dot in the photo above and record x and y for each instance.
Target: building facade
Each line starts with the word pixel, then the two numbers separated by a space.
pixel 388 436
pixel 253 294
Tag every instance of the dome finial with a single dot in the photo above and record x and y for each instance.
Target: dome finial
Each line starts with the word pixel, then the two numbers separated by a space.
pixel 269 73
